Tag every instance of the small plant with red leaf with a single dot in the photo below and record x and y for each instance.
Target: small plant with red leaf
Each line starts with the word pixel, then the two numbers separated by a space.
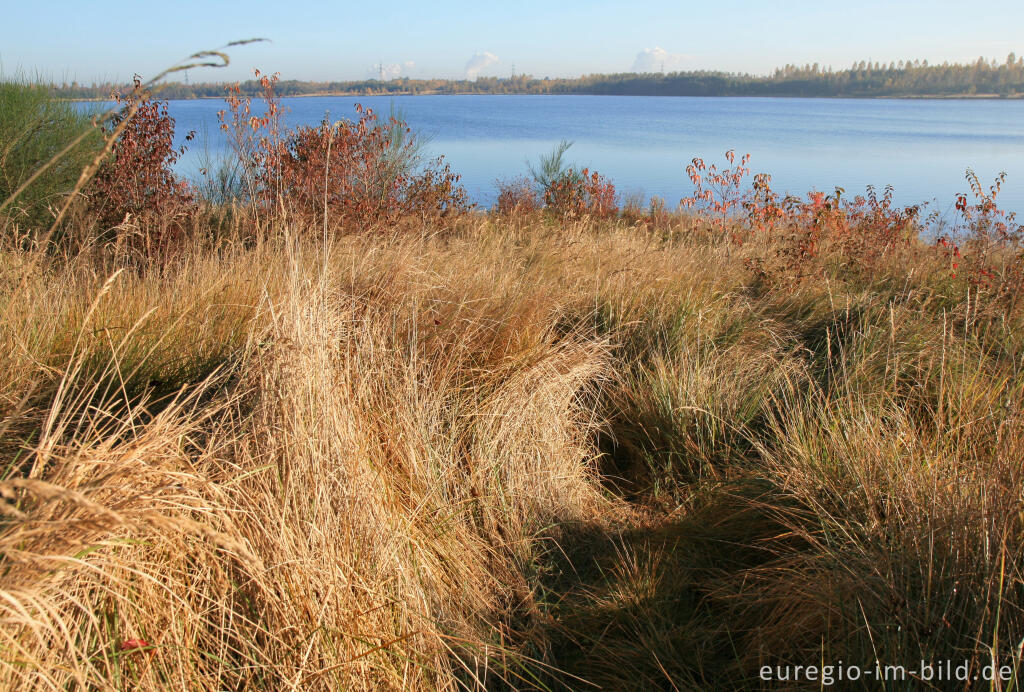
pixel 256 139
pixel 797 233
pixel 718 192
pixel 986 245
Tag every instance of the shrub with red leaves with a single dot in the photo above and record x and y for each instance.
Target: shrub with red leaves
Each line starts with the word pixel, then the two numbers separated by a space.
pixel 360 173
pixel 357 173
pixel 861 232
pixel 576 193
pixel 517 196
pixel 343 167
pixel 873 228
pixel 138 183
pixel 436 195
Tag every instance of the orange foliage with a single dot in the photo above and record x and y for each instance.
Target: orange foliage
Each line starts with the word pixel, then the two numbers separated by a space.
pixel 584 192
pixel 357 172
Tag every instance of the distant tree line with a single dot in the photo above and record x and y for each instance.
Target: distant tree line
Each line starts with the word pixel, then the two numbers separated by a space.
pixel 864 79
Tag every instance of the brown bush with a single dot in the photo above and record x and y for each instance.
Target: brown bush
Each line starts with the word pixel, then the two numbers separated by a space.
pixel 138 183
pixel 517 196
pixel 357 173
pixel 575 193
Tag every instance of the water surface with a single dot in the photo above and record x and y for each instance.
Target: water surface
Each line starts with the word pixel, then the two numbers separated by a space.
pixel 919 146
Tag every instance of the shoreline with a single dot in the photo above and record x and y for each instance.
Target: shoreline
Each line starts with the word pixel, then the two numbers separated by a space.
pixel 905 97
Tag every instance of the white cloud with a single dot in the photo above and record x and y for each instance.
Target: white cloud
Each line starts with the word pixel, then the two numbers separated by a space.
pixel 386 71
pixel 480 62
pixel 657 59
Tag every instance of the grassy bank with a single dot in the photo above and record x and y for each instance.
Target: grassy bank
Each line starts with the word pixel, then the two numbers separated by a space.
pixel 486 457
pixel 556 445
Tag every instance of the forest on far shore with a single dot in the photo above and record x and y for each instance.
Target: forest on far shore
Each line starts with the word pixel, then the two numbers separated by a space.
pixel 865 79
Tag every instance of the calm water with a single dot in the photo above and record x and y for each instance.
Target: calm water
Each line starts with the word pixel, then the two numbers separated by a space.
pixel 921 147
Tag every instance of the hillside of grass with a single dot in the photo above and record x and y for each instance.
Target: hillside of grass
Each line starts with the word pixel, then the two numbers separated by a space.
pixel 334 428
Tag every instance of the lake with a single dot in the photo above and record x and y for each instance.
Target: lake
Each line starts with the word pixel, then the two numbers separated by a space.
pixel 920 146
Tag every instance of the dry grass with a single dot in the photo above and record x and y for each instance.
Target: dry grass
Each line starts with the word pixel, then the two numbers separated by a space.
pixel 513 456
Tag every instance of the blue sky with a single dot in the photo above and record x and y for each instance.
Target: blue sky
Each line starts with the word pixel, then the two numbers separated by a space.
pixel 64 40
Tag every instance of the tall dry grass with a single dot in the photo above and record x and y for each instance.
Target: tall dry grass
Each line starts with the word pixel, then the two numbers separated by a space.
pixel 275 475
pixel 522 454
